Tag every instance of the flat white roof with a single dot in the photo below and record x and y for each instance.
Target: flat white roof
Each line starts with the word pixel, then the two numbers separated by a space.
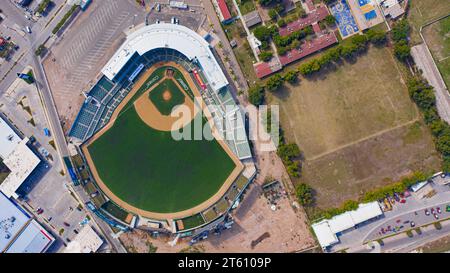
pixel 33 239
pixel 325 235
pixel 8 139
pixel 341 222
pixel 18 232
pixel 327 229
pixel 366 212
pixel 21 162
pixel 165 35
pixel 86 241
pixel 12 220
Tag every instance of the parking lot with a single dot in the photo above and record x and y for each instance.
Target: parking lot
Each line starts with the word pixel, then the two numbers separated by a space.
pixel 412 214
pixel 76 58
pixel 192 17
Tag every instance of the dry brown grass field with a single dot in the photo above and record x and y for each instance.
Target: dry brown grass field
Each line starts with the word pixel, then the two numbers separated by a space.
pixel 357 127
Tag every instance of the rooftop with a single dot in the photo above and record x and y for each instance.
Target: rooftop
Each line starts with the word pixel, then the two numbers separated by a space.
pixel 17 156
pixel 327 230
pixel 165 35
pixel 86 241
pixel 19 233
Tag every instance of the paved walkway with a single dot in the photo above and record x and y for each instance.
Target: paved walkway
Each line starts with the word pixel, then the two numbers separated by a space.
pixel 424 61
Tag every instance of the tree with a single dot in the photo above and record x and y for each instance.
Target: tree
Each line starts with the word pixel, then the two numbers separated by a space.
pixel 360 42
pixel 274 82
pixel 293 169
pixel 268 2
pixel 291 76
pixel 288 152
pixel 304 194
pixel 262 33
pixel 256 95
pixel 282 50
pixel 446 164
pixel 443 145
pixel 402 50
pixel 330 20
pixel 400 31
pixel 281 23
pixel 376 37
pixel 273 14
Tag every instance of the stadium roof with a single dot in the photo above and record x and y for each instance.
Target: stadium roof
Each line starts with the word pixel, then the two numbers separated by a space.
pixel 86 241
pixel 326 230
pixel 18 232
pixel 17 156
pixel 165 35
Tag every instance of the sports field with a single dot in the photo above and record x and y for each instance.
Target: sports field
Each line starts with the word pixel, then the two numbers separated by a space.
pixel 424 11
pixel 144 169
pixel 357 127
pixel 437 36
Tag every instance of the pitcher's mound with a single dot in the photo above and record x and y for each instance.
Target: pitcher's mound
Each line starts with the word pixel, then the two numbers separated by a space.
pixel 167 95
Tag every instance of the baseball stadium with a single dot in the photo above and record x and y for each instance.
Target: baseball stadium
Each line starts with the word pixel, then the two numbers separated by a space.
pixel 163 80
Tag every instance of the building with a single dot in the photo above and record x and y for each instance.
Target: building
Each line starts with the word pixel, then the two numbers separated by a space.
pixel 178 4
pixel 328 230
pixel 19 232
pixel 252 18
pixel 391 8
pixel 18 158
pixel 224 12
pixel 86 241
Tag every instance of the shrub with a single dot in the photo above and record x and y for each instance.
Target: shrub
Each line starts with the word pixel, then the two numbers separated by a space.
pixel 265 56
pixel 304 194
pixel 330 20
pixel 256 95
pixel 281 23
pixel 291 76
pixel 402 50
pixel 274 82
pixel 376 37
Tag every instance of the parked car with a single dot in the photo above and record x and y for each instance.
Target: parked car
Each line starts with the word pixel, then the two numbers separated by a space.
pixel 436 216
pixel 438 209
pixel 66 224
pixel 447 209
pixel 412 224
pixel 427 212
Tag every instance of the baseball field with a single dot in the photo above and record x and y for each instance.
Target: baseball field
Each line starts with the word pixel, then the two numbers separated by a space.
pixel 138 164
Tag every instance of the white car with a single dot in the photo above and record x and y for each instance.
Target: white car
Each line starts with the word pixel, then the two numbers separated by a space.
pixel 28 29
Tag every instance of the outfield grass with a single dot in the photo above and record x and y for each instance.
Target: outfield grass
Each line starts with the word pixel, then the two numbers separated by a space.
pixel 165 107
pixel 148 169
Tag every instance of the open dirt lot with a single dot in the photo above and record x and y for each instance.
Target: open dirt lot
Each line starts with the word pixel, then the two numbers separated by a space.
pixel 356 126
pixel 437 37
pixel 424 11
pixel 77 57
